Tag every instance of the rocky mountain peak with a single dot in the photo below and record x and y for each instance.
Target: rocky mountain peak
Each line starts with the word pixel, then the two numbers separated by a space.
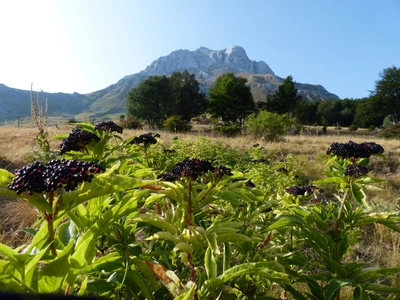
pixel 204 63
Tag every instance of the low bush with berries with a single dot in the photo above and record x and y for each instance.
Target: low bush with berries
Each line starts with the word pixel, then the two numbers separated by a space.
pixel 137 219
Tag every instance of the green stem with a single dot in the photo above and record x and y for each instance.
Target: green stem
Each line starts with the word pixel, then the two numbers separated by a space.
pixel 50 225
pixel 190 205
pixel 337 293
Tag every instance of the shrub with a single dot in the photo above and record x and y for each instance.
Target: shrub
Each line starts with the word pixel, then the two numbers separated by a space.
pixel 270 126
pixel 131 122
pixel 228 130
pixel 176 124
pixel 353 127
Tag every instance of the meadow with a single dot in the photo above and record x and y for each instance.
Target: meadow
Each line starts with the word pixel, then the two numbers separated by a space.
pixel 175 240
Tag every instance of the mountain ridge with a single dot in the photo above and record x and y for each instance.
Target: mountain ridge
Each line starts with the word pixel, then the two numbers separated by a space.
pixel 206 64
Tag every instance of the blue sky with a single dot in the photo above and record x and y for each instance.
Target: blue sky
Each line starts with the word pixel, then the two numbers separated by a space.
pixel 86 45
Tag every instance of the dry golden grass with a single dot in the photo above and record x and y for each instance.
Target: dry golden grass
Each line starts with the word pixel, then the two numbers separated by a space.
pixel 16 214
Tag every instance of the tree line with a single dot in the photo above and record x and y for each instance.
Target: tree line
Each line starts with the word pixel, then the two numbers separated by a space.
pixel 171 102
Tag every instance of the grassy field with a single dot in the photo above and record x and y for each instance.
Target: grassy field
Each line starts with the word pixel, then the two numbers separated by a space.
pixel 379 246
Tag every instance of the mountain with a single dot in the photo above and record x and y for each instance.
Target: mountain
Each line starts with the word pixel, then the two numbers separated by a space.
pixel 206 64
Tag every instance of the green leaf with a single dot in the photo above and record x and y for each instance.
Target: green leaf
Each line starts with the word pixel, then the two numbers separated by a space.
pixel 360 294
pixel 229 196
pixel 86 245
pixel 53 275
pixel 66 232
pixel 182 246
pixel 157 221
pixel 286 220
pixel 153 198
pixel 232 238
pixel 165 235
pixel 188 295
pixel 334 285
pixel 264 269
pixel 109 263
pixel 358 194
pixel 210 264
pixel 227 257
pixel 6 178
pixel 103 184
pixel 376 287
pixel 338 180
pixel 135 278
pixel 31 269
pixel 372 273
pixel 148 275
pixel 212 242
pixel 11 254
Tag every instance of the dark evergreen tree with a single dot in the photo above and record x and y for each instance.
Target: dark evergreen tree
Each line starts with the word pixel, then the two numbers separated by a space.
pixel 285 100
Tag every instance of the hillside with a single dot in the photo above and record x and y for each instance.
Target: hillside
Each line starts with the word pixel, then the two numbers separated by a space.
pixel 206 64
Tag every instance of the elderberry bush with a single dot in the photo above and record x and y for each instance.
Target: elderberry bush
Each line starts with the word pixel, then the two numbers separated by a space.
pixel 145 139
pixel 57 173
pixel 356 171
pixel 109 126
pixel 76 140
pixel 354 150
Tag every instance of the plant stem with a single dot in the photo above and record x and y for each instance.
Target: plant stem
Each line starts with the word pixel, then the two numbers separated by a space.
pixel 337 293
pixel 50 225
pixel 190 205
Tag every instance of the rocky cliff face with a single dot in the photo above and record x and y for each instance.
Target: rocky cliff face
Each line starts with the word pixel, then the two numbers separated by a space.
pixel 206 63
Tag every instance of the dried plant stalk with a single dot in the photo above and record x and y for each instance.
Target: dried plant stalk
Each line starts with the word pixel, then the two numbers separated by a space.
pixel 37 113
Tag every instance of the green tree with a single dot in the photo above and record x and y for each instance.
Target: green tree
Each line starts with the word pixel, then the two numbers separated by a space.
pixel 151 100
pixel 367 115
pixel 330 111
pixel 189 101
pixel 230 99
pixel 386 96
pixel 306 112
pixel 285 100
pixel 157 98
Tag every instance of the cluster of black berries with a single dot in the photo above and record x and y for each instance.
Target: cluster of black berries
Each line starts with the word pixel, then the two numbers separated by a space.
pixel 249 184
pixel 76 140
pixel 301 191
pixel 354 150
pixel 260 160
pixel 356 171
pixel 108 126
pixel 222 170
pixel 145 139
pixel 57 173
pixel 193 168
